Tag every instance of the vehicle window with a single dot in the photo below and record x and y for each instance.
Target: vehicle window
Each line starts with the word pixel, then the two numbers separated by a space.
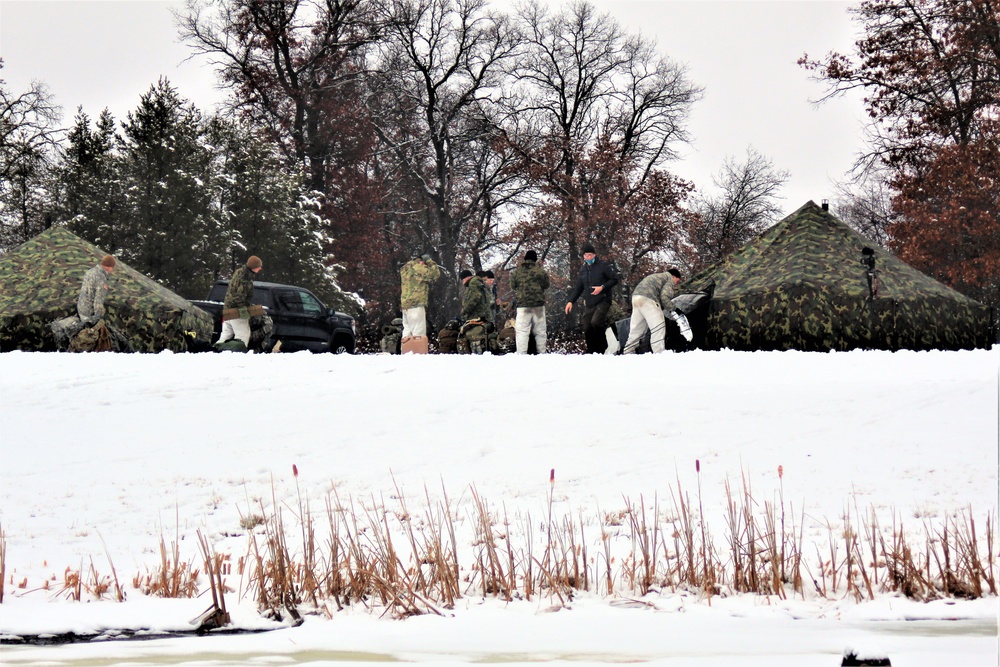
pixel 289 301
pixel 262 297
pixel 309 303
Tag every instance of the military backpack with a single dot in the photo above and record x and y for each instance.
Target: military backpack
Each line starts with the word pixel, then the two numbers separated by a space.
pixel 392 335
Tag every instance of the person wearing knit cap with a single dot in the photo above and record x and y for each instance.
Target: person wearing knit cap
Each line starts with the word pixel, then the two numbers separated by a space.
pixel 415 278
pixel 595 281
pixel 90 303
pixel 529 282
pixel 490 287
pixel 652 298
pixel 240 295
pixel 475 302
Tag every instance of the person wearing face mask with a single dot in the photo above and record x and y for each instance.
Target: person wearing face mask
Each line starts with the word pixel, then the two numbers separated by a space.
pixel 594 283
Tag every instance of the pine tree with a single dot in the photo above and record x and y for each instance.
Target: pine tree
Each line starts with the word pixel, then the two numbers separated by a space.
pixel 90 192
pixel 266 211
pixel 172 232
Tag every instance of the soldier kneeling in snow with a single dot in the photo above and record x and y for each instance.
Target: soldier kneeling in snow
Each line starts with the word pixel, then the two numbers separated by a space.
pixel 88 331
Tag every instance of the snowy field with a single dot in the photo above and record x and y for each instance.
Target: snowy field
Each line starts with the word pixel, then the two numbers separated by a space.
pixel 103 455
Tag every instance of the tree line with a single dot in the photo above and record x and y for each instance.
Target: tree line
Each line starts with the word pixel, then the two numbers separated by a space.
pixel 358 131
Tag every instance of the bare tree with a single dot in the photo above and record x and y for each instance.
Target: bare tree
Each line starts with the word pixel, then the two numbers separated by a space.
pixel 588 87
pixel 746 204
pixel 930 72
pixel 431 105
pixel 294 66
pixel 29 132
pixel 866 206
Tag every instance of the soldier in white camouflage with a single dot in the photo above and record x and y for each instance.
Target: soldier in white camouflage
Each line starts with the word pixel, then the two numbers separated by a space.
pixel 529 282
pixel 651 300
pixel 90 304
pixel 416 277
pixel 240 295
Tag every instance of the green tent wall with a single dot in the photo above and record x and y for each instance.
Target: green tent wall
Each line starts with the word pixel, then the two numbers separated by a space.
pixel 801 285
pixel 40 282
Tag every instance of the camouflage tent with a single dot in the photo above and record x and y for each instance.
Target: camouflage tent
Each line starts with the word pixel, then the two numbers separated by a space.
pixel 801 285
pixel 40 282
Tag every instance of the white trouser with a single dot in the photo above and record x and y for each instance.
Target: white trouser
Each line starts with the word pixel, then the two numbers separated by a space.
pixel 646 316
pixel 238 328
pixel 415 322
pixel 528 321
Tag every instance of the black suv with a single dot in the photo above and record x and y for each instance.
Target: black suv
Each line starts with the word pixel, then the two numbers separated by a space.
pixel 301 321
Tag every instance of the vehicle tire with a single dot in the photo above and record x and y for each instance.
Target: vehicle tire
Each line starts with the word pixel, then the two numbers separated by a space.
pixel 342 345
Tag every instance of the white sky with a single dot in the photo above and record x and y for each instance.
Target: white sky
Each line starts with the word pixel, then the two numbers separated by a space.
pixel 743 52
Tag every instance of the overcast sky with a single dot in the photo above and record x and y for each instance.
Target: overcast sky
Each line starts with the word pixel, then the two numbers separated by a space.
pixel 107 53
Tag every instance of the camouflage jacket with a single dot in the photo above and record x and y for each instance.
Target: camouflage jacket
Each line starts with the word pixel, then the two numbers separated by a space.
pixel 92 293
pixel 658 287
pixel 475 303
pixel 240 290
pixel 416 277
pixel 529 282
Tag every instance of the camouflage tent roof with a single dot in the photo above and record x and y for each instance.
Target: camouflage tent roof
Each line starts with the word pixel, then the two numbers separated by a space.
pixel 801 285
pixel 40 282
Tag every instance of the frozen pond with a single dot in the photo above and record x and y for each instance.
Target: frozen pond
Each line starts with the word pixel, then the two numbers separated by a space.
pixel 741 642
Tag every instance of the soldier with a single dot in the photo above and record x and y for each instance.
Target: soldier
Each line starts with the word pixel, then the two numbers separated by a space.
pixel 475 303
pixel 239 295
pixel 491 291
pixel 529 282
pixel 416 277
pixel 595 281
pixel 653 297
pixel 474 336
pixel 90 304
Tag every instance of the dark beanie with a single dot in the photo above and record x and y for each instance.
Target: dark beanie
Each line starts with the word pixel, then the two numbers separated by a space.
pixel 254 262
pixel 464 273
pixel 675 273
pixel 589 247
pixel 531 256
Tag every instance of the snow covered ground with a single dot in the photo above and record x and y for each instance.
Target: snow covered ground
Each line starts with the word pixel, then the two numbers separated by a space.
pixel 103 455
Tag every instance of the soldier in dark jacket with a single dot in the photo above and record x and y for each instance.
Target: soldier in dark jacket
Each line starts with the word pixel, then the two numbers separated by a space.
pixel 529 282
pixel 90 304
pixel 240 295
pixel 595 281
pixel 490 279
pixel 489 294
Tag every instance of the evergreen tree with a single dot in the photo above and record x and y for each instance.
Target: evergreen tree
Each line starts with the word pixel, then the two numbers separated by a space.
pixel 172 231
pixel 91 197
pixel 266 211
